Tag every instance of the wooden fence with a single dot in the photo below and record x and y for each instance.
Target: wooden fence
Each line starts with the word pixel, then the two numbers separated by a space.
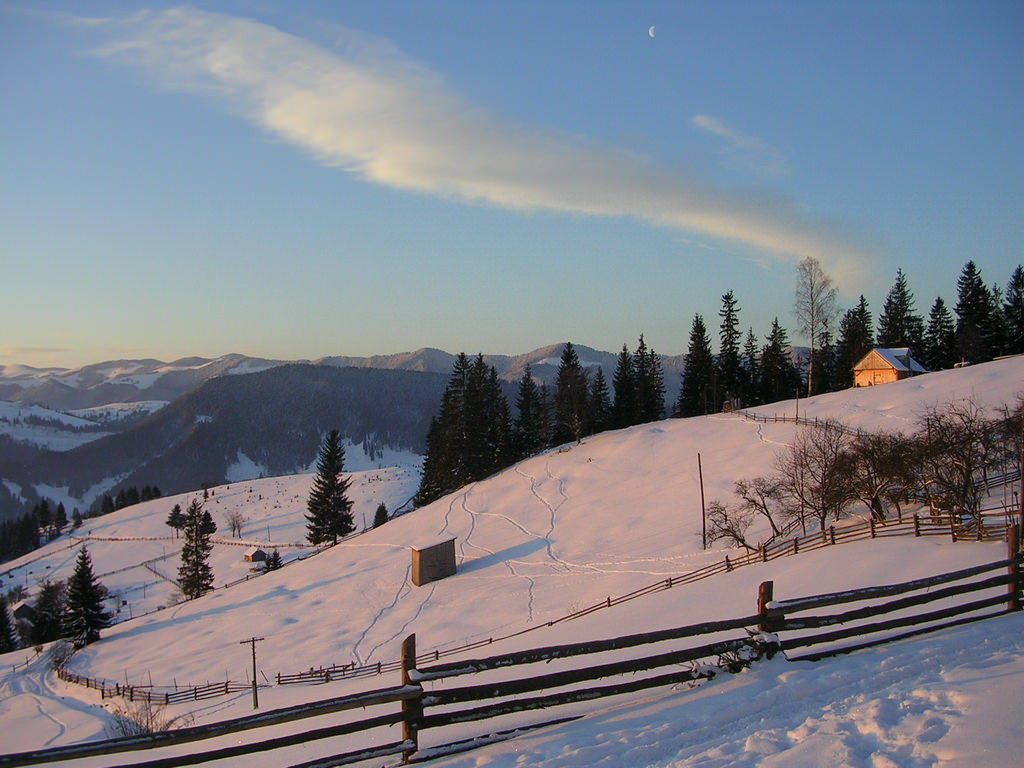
pixel 993 527
pixel 631 663
pixel 151 694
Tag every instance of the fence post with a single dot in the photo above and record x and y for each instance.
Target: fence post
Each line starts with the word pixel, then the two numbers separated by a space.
pixel 832 534
pixel 765 594
pixel 1013 547
pixel 412 709
pixel 917 525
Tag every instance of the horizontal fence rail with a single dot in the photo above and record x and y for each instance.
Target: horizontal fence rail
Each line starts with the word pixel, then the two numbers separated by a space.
pixel 631 663
pixel 993 526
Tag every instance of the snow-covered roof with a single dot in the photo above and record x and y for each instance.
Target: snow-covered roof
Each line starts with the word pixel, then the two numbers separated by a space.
pixel 897 357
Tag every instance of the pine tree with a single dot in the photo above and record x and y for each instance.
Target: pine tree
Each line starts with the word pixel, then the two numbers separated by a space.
pixel 624 404
pixel 974 326
pixel 433 477
pixel 528 429
pixel 195 576
pixel 898 324
pixel 329 509
pixel 84 616
pixel 47 621
pixel 751 376
pixel 273 561
pixel 780 378
pixel 1013 313
pixel 380 516
pixel 571 387
pixel 939 346
pixel 599 407
pixel 650 384
pixel 60 518
pixel 825 372
pixel 697 394
pixel 728 362
pixel 856 339
pixel 176 519
pixel 8 637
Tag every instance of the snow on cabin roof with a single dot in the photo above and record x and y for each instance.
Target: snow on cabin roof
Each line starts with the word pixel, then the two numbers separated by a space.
pixel 898 357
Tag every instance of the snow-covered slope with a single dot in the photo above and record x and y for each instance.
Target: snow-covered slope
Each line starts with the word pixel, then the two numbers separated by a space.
pixel 42 428
pixel 557 532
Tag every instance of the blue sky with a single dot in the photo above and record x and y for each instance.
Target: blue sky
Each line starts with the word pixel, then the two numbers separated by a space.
pixel 301 179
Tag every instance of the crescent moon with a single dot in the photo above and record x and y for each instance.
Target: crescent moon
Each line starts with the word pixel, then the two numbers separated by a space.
pixel 651 31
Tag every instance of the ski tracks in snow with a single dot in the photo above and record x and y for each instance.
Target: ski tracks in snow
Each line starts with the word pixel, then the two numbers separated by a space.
pixel 510 564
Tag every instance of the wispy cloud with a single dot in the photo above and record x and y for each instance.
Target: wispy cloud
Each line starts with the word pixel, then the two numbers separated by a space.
pixel 365 107
pixel 743 150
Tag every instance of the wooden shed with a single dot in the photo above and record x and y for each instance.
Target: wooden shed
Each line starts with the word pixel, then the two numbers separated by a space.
pixel 434 562
pixel 881 366
pixel 254 555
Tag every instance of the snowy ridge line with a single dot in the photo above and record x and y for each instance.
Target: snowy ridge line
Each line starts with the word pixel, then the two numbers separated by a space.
pixel 938 525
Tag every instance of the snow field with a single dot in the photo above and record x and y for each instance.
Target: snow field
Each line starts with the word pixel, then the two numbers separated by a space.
pixel 559 532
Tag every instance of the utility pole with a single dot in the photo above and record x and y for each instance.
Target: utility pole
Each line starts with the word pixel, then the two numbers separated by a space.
pixel 703 514
pixel 252 641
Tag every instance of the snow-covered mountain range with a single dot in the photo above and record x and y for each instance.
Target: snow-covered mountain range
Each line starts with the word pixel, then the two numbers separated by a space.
pixel 555 533
pixel 74 435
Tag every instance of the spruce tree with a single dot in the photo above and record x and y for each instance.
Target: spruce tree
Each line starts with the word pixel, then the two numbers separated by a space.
pixel 528 429
pixel 697 394
pixel 176 519
pixel 624 404
pixel 8 637
pixel 1013 313
pixel 195 576
pixel 599 406
pixel 975 324
pixel 751 376
pixel 329 509
pixel 939 348
pixel 650 384
pixel 48 619
pixel 780 379
pixel 898 324
pixel 380 516
pixel 728 362
pixel 84 615
pixel 571 387
pixel 273 561
pixel 856 339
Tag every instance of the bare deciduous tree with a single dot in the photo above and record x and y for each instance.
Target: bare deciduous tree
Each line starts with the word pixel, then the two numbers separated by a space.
pixel 880 469
pixel 958 446
pixel 762 496
pixel 812 473
pixel 731 525
pixel 235 520
pixel 815 306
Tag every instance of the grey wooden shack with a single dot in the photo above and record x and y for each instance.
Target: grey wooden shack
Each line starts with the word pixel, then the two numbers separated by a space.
pixel 434 562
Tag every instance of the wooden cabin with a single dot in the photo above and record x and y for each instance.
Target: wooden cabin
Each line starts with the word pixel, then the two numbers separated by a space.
pixel 881 366
pixel 255 555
